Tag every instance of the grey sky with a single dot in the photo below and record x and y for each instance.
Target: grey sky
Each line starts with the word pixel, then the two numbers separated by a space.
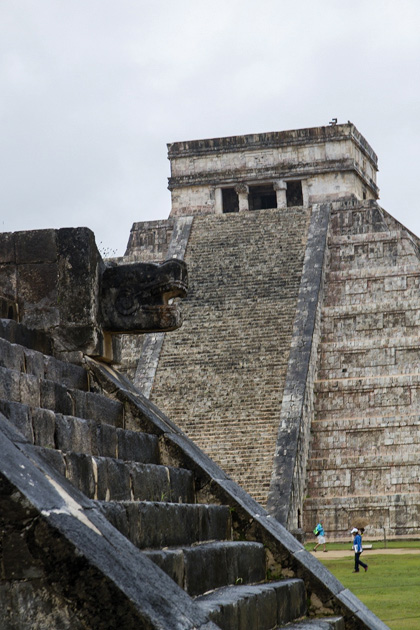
pixel 92 90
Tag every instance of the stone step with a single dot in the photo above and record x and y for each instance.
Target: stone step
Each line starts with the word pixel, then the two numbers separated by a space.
pixel 390 275
pixel 369 357
pixel 352 371
pixel 398 514
pixel 370 459
pixel 18 334
pixel 22 359
pixel 207 566
pixel 354 291
pixel 340 240
pixel 368 319
pixel 358 217
pixel 262 606
pixel 110 479
pixel 33 390
pixel 371 249
pixel 357 446
pixel 388 395
pixel 371 307
pixel 400 452
pixel 44 427
pixel 381 436
pixel 358 477
pixel 380 342
pixel 367 423
pixel 153 525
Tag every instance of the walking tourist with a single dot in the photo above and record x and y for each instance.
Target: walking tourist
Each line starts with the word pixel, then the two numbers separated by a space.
pixel 357 546
pixel 320 534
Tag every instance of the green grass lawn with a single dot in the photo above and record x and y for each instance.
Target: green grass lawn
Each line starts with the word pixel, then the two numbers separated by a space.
pixel 390 587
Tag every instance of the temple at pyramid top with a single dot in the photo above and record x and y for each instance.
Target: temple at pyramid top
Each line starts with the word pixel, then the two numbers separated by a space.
pixel 271 170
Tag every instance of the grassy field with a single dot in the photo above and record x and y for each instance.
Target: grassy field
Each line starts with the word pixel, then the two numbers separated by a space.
pixel 390 588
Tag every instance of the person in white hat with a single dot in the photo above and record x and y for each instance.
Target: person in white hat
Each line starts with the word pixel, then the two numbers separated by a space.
pixel 357 546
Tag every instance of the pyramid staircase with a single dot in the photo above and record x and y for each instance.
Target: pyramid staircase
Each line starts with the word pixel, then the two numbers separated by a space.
pixel 364 458
pixel 111 517
pixel 233 347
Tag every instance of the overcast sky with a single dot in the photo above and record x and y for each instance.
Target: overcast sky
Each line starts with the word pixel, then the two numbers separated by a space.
pixel 92 90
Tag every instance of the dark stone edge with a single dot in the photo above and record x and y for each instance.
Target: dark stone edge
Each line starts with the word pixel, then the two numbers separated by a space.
pixel 286 492
pixel 152 344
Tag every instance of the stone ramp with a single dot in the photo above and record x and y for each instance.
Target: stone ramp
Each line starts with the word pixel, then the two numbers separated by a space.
pixel 364 451
pixel 80 570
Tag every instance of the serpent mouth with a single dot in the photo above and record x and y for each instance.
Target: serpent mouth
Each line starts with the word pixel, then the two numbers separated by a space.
pixel 166 294
pixel 143 297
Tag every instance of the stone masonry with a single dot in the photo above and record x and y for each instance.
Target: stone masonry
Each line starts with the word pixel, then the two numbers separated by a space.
pixel 268 170
pixel 236 371
pixel 364 455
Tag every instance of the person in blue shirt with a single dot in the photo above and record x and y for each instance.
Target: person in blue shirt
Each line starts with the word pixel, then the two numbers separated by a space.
pixel 320 537
pixel 357 546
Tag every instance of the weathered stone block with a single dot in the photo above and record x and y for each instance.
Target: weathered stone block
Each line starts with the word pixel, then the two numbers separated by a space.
pixel 11 356
pixel 35 246
pixel 20 416
pixel 138 447
pixel 34 363
pixel 104 409
pixel 81 471
pixel 50 455
pixel 75 434
pixel 30 391
pixel 8 282
pixel 37 287
pixel 7 247
pixel 107 441
pixel 9 385
pixel 56 397
pixel 172 563
pixel 18 562
pixel 43 424
pixel 67 374
pixel 113 480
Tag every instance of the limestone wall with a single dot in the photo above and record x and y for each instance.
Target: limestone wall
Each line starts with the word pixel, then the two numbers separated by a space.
pixel 149 241
pixel 364 456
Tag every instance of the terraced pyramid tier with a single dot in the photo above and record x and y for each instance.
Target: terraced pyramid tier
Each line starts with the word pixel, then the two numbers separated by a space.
pixel 365 439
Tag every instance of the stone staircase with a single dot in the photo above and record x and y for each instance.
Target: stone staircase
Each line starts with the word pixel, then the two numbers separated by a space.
pixel 364 455
pixel 111 517
pixel 221 375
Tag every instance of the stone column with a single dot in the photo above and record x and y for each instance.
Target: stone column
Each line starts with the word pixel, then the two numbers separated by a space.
pixel 218 202
pixel 242 191
pixel 280 186
pixel 306 191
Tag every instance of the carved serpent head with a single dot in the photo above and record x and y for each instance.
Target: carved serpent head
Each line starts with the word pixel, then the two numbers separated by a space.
pixel 141 297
